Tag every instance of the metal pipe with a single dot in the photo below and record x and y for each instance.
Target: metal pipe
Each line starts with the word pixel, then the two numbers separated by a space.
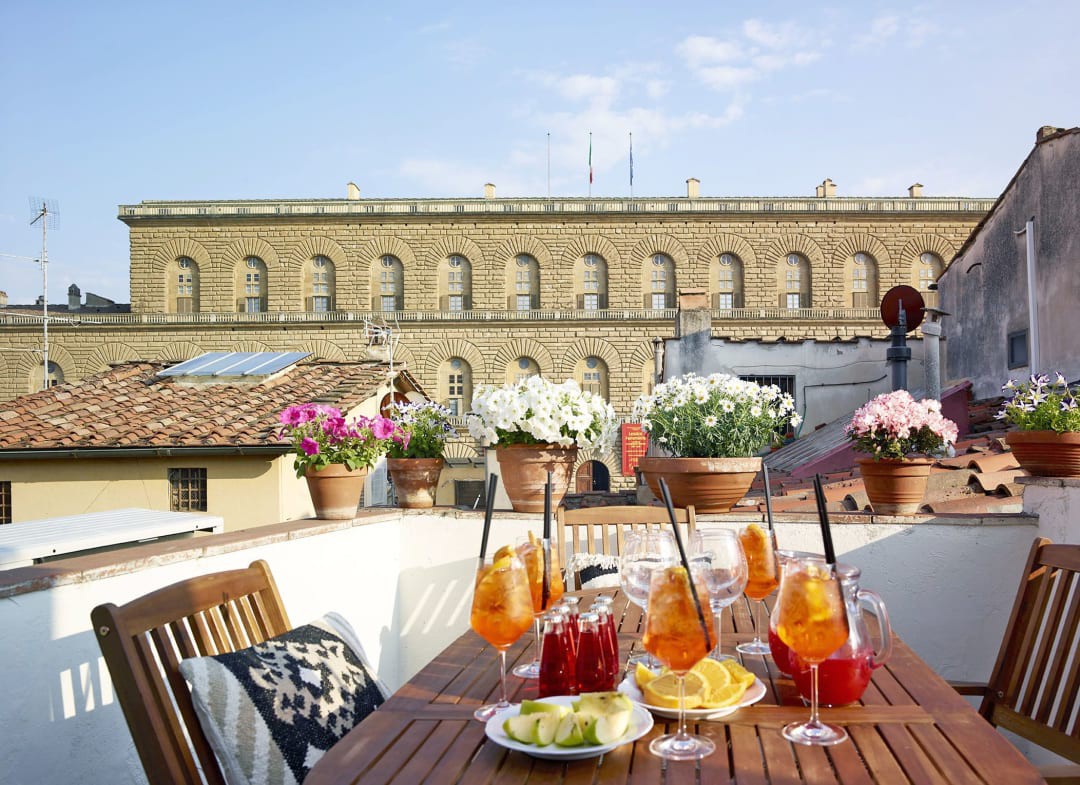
pixel 1033 308
pixel 105 453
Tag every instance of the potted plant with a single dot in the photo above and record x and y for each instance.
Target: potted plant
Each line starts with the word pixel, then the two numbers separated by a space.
pixel 334 454
pixel 1047 415
pixel 537 426
pixel 893 429
pixel 711 426
pixel 415 461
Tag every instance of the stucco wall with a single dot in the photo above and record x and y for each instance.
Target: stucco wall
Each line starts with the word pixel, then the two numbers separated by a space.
pixel 985 290
pixel 831 378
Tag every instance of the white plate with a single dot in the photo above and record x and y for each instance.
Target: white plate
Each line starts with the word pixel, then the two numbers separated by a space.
pixel 640 724
pixel 753 694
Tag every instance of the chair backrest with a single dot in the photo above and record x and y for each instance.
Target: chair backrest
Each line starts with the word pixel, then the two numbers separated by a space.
pixel 144 641
pixel 601 530
pixel 1035 684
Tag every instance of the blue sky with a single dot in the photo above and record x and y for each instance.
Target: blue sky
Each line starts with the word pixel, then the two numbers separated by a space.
pixel 106 103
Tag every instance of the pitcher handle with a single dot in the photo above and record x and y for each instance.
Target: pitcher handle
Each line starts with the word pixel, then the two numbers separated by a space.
pixel 873 599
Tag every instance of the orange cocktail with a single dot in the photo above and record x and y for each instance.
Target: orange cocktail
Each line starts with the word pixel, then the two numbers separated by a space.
pixel 812 620
pixel 677 634
pixel 501 612
pixel 532 554
pixel 762 578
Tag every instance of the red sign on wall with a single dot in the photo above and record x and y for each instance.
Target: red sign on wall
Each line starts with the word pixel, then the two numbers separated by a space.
pixel 634 444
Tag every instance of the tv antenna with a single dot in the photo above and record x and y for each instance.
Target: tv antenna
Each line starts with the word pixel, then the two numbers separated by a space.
pixel 48 213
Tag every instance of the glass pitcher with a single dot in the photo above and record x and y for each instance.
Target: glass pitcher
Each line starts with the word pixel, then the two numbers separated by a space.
pixel 844 676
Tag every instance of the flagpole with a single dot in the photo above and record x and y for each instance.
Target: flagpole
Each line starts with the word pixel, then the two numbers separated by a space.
pixel 631 164
pixel 549 164
pixel 590 164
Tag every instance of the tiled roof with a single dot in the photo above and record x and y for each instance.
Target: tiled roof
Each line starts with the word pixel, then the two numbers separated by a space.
pixel 128 406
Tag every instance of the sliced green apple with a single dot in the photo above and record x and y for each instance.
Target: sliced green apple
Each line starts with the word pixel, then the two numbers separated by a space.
pixel 569 732
pixel 521 727
pixel 545 728
pixel 539 707
pixel 607 728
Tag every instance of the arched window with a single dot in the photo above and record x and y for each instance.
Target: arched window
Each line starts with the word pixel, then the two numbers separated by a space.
pixel 252 286
pixel 795 282
pixel 661 292
pixel 388 285
pixel 591 373
pixel 522 368
pixel 320 285
pixel 55 377
pixel 728 281
pixel 591 283
pixel 524 280
pixel 864 280
pixel 184 286
pixel 455 385
pixel 455 286
pixel 927 270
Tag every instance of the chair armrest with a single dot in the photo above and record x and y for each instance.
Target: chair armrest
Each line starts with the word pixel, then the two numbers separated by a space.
pixel 1066 774
pixel 969 687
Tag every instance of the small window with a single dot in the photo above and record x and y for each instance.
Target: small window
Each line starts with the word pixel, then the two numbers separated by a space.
pixel 187 490
pixel 5 501
pixel 1018 349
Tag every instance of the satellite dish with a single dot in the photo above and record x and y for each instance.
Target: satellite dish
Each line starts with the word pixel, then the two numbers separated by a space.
pixel 912 302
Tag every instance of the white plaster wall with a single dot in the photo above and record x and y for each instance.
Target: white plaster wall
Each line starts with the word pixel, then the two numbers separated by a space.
pixel 1057 503
pixel 405 584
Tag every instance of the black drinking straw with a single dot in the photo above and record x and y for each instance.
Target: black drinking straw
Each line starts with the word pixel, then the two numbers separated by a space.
pixel 823 517
pixel 545 594
pixel 682 555
pixel 493 483
pixel 768 503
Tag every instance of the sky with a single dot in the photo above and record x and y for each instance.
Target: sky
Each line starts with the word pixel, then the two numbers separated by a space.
pixel 104 103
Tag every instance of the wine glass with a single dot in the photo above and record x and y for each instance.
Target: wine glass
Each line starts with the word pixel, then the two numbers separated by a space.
pixel 643 551
pixel 720 558
pixel 812 620
pixel 762 577
pixel 531 553
pixel 678 634
pixel 501 612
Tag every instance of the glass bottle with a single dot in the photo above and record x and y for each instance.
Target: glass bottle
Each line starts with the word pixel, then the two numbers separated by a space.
pixel 610 640
pixel 592 669
pixel 572 614
pixel 558 668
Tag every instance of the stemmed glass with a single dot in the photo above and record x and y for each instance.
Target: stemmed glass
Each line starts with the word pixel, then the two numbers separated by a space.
pixel 677 634
pixel 643 551
pixel 763 576
pixel 501 612
pixel 531 553
pixel 720 558
pixel 812 620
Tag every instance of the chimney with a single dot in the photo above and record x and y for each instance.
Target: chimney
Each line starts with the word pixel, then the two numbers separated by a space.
pixel 3 299
pixel 693 188
pixel 74 298
pixel 819 192
pixel 40 300
pixel 1045 131
pixel 828 187
pixel 352 192
pixel 914 191
pixel 489 190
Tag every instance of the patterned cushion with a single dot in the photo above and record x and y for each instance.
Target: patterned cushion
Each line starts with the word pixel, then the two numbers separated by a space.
pixel 270 711
pixel 594 570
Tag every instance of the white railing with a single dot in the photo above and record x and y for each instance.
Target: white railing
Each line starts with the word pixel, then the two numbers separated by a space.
pixel 663 205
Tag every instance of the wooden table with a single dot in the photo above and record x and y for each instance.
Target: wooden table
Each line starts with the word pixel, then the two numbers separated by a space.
pixel 911 727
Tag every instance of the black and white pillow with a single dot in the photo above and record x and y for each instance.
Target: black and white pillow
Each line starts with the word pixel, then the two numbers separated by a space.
pixel 272 710
pixel 594 570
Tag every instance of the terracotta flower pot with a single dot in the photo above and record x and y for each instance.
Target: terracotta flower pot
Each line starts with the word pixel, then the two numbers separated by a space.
pixel 415 480
pixel 710 484
pixel 1046 453
pixel 335 491
pixel 524 469
pixel 895 487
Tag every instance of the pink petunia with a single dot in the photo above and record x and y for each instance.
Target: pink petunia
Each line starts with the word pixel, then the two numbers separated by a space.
pixel 382 428
pixel 309 446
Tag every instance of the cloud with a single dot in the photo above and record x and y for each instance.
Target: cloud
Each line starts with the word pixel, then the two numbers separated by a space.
pixel 914 30
pixel 758 49
pixel 657 88
pixel 584 87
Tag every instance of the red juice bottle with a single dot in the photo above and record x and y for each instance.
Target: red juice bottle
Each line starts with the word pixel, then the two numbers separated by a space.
pixel 558 674
pixel 572 615
pixel 592 669
pixel 610 640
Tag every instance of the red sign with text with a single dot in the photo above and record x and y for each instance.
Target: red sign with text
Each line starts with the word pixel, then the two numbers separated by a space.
pixel 634 444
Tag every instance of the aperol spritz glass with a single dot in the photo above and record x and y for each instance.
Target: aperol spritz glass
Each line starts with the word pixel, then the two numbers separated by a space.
pixel 501 612
pixel 763 576
pixel 812 620
pixel 678 634
pixel 531 553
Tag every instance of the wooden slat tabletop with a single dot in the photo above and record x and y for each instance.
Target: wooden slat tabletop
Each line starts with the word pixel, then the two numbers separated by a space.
pixel 911 727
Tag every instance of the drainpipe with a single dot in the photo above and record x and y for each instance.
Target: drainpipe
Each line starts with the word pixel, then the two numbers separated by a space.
pixel 1033 310
pixel 658 359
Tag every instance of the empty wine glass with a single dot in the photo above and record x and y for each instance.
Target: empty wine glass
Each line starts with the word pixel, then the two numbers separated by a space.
pixel 644 551
pixel 717 554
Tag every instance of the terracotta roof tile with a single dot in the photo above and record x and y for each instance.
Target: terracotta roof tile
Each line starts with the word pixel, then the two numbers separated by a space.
pixel 995 462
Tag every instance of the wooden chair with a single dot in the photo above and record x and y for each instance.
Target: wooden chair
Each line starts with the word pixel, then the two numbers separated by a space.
pixel 602 530
pixel 144 641
pixel 1034 689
